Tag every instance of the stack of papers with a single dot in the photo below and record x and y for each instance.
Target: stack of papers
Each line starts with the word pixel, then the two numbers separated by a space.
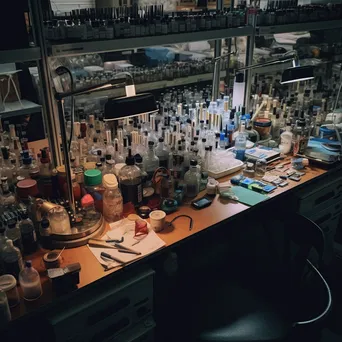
pixel 145 244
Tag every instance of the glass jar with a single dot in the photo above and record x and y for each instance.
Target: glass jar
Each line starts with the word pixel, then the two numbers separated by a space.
pixel 260 167
pixel 112 199
pixel 9 285
pixel 5 314
pixel 59 221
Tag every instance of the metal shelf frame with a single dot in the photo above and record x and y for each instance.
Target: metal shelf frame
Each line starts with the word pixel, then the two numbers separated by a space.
pixel 20 55
pixel 71 49
pixel 16 109
pixel 296 27
pixel 45 51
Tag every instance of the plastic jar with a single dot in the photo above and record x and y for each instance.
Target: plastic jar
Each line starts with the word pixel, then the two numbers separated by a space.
pixel 8 284
pixel 5 314
pixel 93 185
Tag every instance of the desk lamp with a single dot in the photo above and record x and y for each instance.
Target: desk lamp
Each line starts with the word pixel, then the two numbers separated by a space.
pixel 131 105
pixel 296 73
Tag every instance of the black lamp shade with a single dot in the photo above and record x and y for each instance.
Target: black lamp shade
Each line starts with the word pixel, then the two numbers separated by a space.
pixel 123 107
pixel 297 74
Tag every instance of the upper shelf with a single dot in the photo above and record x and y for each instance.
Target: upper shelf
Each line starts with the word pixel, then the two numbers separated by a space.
pixel 58 50
pixel 16 109
pixel 320 25
pixel 20 55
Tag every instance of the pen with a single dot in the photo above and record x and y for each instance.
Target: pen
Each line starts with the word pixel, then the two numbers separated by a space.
pixel 109 256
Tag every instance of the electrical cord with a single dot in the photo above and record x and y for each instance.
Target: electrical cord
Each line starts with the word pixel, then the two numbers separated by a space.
pixel 177 217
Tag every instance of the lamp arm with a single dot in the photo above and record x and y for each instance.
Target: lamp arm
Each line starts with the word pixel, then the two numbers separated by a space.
pixel 107 85
pixel 290 56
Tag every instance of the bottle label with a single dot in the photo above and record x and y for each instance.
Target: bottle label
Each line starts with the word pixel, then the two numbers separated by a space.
pixel 131 193
pixel 29 240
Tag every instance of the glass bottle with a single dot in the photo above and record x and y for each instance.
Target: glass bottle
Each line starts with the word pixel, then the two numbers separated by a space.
pixel 44 232
pixel 112 199
pixel 3 240
pixel 7 198
pixel 192 180
pixel 28 234
pixel 163 154
pixel 130 181
pixel 7 166
pixel 26 167
pixel 29 280
pixel 151 161
pixel 13 233
pixel 240 144
pixel 74 145
pixel 109 165
pixel 13 262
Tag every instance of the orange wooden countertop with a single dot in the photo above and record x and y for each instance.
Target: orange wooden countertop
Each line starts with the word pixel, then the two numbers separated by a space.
pixel 91 270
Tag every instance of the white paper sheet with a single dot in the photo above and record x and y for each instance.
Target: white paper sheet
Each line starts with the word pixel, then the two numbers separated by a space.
pixel 125 228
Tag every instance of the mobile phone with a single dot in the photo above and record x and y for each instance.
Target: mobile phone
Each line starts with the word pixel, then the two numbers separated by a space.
pixel 295 178
pixel 201 203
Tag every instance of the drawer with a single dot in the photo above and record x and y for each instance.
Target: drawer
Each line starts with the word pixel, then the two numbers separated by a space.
pixel 328 219
pixel 320 196
pixel 141 332
pixel 117 307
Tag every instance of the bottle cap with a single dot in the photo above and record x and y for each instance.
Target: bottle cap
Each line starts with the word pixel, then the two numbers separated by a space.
pixel 92 177
pixel 161 139
pixel 138 158
pixel 207 148
pixel 9 243
pixel 150 143
pixel 27 161
pixel 11 224
pixel 108 157
pixel 110 181
pixel 130 159
pixel 28 263
pixel 193 162
pixel 99 152
pixel 24 215
pixel 45 223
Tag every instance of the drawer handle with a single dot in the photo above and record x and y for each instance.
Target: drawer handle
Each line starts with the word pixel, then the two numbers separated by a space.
pixel 110 310
pixel 324 197
pixel 323 219
pixel 111 330
pixel 143 311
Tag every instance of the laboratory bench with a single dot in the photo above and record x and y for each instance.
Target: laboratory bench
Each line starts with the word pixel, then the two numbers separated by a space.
pixel 220 216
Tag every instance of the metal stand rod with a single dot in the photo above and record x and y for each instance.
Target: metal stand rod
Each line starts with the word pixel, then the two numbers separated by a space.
pixel 217 65
pixel 50 119
pixel 66 154
pixel 249 61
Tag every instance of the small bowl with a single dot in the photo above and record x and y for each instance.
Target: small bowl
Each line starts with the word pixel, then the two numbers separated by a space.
pixel 262 126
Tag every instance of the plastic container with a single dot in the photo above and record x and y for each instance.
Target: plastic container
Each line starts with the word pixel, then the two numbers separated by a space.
pixel 13 233
pixel 30 282
pixel 12 259
pixel 28 234
pixel 263 127
pixel 112 199
pixel 8 284
pixel 5 314
pixel 93 185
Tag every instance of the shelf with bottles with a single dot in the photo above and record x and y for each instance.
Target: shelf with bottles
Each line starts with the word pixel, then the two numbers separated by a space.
pixel 71 49
pixel 297 27
pixel 20 55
